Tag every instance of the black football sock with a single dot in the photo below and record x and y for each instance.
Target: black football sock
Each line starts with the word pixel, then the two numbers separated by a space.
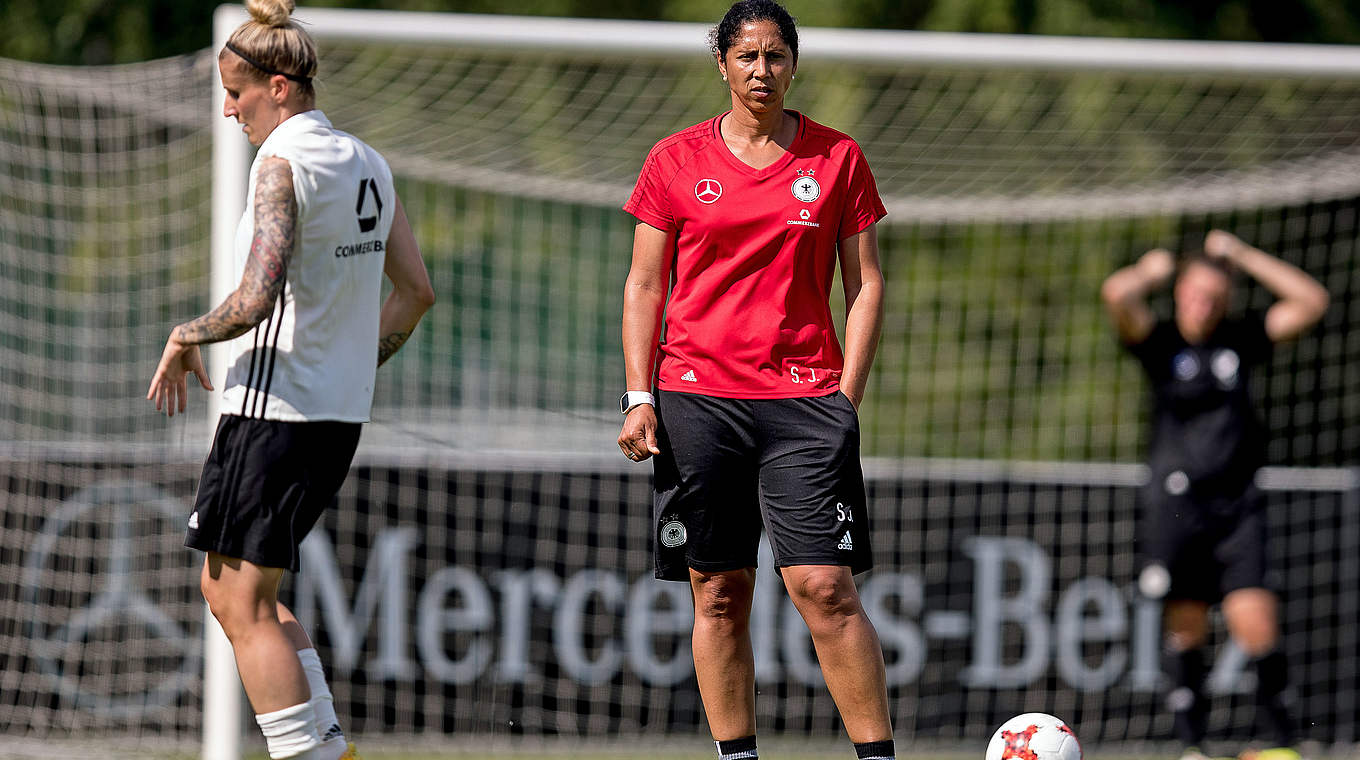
pixel 881 750
pixel 737 749
pixel 1186 671
pixel 1274 699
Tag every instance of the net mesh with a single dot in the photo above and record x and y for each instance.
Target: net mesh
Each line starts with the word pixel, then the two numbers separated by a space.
pixel 513 166
pixel 1012 194
pixel 944 144
pixel 104 213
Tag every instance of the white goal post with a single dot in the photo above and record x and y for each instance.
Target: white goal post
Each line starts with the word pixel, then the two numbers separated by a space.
pixel 224 708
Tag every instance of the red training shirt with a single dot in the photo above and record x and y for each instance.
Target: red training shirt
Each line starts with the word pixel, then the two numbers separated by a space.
pixel 749 313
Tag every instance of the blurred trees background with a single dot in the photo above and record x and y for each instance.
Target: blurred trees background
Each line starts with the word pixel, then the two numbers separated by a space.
pixel 123 31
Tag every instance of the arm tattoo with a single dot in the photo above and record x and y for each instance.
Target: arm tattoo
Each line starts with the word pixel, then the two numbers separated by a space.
pixel 388 345
pixel 266 268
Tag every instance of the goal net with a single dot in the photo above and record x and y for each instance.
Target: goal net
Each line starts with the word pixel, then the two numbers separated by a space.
pixel 486 572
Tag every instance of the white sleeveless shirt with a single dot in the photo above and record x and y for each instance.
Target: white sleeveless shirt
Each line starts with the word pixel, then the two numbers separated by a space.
pixel 316 356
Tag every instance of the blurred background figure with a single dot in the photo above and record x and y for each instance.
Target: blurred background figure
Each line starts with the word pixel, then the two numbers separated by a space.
pixel 1203 530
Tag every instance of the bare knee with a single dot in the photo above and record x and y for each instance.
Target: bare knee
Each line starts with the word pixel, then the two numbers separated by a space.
pixel 215 594
pixel 1251 618
pixel 237 606
pixel 1256 641
pixel 1185 624
pixel 824 594
pixel 723 599
pixel 235 614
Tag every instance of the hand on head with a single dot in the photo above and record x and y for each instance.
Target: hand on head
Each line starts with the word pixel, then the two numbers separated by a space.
pixel 1222 245
pixel 1158 265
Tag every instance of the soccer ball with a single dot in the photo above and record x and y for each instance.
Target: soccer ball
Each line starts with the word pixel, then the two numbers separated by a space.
pixel 1034 736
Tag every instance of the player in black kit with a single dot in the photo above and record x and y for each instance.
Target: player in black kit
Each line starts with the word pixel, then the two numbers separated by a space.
pixel 1203 532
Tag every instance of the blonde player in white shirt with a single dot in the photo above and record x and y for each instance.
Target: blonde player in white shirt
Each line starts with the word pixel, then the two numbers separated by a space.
pixel 308 328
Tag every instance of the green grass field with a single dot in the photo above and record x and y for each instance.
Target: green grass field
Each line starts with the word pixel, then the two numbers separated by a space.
pixel 666 748
pixel 669 750
pixel 786 754
pixel 453 747
pixel 640 752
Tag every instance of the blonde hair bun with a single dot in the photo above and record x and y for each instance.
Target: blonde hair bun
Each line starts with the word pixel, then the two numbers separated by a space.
pixel 270 12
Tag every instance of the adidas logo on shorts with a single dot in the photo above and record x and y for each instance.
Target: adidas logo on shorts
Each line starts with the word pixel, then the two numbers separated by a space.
pixel 193 521
pixel 846 544
pixel 689 377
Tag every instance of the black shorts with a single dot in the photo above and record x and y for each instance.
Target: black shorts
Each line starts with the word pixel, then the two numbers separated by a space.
pixel 265 484
pixel 1210 545
pixel 728 465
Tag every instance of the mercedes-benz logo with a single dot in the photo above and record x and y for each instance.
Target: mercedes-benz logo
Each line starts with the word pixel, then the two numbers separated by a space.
pixel 708 190
pixel 96 584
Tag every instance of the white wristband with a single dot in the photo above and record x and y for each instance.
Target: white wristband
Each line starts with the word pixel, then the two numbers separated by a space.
pixel 631 399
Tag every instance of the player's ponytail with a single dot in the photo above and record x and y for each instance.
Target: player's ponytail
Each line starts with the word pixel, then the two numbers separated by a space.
pixel 270 12
pixel 272 43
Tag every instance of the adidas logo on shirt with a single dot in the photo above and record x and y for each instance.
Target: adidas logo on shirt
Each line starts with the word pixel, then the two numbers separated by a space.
pixel 193 521
pixel 846 544
pixel 689 377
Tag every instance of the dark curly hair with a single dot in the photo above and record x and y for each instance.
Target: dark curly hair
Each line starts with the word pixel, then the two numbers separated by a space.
pixel 720 37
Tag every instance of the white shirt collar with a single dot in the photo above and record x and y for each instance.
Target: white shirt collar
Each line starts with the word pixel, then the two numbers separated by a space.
pixel 296 124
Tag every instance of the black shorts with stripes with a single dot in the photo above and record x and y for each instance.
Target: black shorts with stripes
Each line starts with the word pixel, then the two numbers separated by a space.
pixel 265 484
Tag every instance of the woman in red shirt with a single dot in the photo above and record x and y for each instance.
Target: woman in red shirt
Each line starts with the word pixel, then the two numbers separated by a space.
pixel 742 218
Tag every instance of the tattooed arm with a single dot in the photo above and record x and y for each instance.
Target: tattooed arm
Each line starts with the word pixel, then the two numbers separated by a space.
pixel 253 300
pixel 267 267
pixel 411 293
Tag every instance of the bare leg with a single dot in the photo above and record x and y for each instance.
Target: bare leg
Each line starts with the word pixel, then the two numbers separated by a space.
pixel 1251 617
pixel 1185 623
pixel 243 597
pixel 847 647
pixel 723 660
pixel 292 628
pixel 333 741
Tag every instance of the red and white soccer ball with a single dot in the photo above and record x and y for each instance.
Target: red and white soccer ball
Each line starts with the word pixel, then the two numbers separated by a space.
pixel 1034 736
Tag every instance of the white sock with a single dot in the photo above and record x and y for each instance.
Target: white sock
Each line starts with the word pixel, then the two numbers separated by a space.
pixel 323 704
pixel 290 732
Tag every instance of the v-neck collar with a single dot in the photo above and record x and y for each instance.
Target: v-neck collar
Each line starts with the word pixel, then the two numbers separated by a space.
pixel 746 168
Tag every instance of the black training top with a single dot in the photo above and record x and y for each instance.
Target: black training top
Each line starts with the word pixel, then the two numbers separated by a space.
pixel 1204 423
